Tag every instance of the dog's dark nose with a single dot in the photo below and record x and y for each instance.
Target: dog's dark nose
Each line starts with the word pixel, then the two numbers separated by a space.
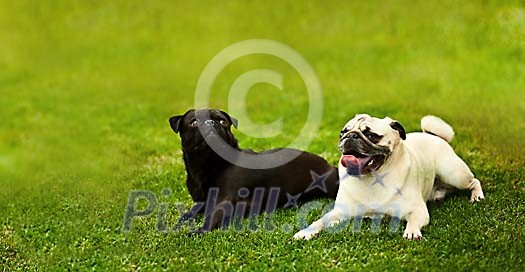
pixel 210 123
pixel 346 146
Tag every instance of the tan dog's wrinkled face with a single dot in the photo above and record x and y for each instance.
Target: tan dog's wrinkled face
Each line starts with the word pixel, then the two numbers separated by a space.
pixel 366 143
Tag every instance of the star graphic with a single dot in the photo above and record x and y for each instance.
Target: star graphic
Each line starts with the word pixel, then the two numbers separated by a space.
pixel 318 181
pixel 399 192
pixel 378 179
pixel 292 199
pixel 346 175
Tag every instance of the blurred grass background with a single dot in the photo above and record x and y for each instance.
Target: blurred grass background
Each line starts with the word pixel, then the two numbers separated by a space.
pixel 86 89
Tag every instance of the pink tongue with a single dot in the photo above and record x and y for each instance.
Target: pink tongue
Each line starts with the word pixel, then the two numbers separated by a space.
pixel 349 160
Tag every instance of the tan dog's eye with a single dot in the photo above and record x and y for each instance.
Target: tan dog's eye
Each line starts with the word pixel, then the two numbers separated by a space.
pixel 374 138
pixel 194 124
pixel 223 123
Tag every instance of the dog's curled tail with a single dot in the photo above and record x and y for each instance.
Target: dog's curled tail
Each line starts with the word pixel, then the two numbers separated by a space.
pixel 436 126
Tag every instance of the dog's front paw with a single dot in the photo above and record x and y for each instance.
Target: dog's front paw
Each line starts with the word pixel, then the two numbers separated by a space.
pixel 305 234
pixel 414 234
pixel 476 195
pixel 476 191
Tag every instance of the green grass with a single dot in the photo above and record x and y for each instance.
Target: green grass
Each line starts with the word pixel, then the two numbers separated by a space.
pixel 86 89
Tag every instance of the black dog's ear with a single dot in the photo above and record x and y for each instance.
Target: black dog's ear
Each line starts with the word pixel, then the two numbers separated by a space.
pixel 175 123
pixel 234 121
pixel 397 126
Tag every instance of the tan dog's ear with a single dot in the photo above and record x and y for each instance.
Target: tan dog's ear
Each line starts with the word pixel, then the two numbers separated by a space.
pixel 395 125
pixel 361 115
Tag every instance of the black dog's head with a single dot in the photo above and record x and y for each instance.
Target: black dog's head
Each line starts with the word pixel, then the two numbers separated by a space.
pixel 198 127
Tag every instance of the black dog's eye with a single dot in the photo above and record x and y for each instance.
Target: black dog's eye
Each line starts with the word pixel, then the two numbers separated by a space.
pixel 223 123
pixel 194 124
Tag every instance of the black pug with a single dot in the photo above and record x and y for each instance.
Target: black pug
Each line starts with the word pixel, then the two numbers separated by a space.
pixel 225 190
